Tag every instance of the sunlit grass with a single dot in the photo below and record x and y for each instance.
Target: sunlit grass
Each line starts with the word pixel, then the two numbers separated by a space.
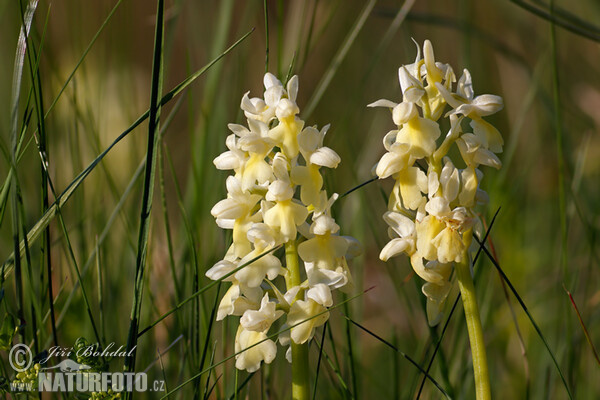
pixel 83 105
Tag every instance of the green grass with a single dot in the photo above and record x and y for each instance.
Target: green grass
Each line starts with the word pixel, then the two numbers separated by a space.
pixel 114 112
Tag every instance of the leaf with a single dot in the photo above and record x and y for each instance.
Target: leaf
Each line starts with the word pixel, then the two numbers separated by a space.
pixel 7 332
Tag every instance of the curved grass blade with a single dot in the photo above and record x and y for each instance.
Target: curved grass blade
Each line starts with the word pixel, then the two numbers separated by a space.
pixel 524 307
pixel 36 90
pixel 563 19
pixel 359 186
pixel 204 289
pixel 439 342
pixel 85 53
pixel 37 229
pixel 413 362
pixel 27 19
pixel 274 335
pixel 115 213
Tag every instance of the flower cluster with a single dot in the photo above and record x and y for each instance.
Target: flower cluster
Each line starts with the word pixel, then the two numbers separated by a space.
pixel 273 158
pixel 430 211
pixel 28 378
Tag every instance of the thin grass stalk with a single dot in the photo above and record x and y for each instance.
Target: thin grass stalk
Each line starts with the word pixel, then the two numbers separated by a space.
pixel 562 190
pixel 314 395
pixel 397 350
pixel 197 311
pixel 280 25
pixel 309 35
pixel 36 91
pixel 266 36
pixel 333 346
pixel 28 274
pixel 103 235
pixel 46 252
pixel 560 143
pixel 204 289
pixel 207 390
pixel 524 307
pixel 583 327
pixel 350 345
pixel 100 294
pixel 343 386
pixel 444 369
pixel 269 337
pixel 77 270
pixel 209 329
pixel 27 18
pixel 83 55
pixel 69 247
pixel 579 27
pixel 517 328
pixel 40 225
pixel 337 59
pixel 202 144
pixel 153 133
pixel 167 225
pixel 396 368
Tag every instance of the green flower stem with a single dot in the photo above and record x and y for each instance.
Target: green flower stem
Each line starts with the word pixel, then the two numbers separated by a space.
pixel 467 291
pixel 300 384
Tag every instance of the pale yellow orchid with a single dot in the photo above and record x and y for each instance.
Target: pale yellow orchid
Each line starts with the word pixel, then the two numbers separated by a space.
pixel 273 157
pixel 315 314
pixel 261 320
pixel 250 358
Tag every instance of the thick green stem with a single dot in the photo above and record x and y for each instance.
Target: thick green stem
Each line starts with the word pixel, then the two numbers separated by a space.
pixel 467 291
pixel 300 384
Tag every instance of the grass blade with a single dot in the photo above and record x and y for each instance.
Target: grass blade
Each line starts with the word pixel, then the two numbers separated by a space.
pixel 524 307
pixel 337 60
pixel 153 133
pixel 314 396
pixel 413 362
pixel 343 386
pixel 27 18
pixel 559 148
pixel 274 335
pixel 585 331
pixel 578 27
pixel 85 53
pixel 41 224
pixel 446 324
pixel 204 289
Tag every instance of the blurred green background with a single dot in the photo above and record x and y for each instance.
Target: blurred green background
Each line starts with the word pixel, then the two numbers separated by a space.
pixel 346 54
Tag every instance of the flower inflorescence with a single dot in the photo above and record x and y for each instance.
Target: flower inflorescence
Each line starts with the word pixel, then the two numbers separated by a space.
pixel 276 186
pixel 431 207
